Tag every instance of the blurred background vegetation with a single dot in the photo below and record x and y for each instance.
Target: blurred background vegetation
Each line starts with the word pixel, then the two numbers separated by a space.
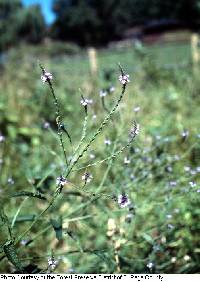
pixel 93 22
pixel 154 41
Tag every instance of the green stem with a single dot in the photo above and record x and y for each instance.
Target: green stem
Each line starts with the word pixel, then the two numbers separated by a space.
pixel 38 217
pixel 103 124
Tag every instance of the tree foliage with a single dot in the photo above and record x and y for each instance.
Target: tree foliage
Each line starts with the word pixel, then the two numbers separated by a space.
pixel 17 22
pixel 31 24
pixel 89 21
pixel 8 30
pixel 94 21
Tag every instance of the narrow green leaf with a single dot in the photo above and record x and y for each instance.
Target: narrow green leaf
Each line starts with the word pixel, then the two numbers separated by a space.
pixel 57 226
pixel 29 194
pixel 148 238
pixel 30 217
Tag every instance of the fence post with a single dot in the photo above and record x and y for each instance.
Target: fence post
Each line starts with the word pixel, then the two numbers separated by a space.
pixel 195 51
pixel 92 54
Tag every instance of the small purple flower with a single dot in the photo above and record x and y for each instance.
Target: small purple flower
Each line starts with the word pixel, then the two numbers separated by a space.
pixel 10 181
pixel 192 184
pixel 24 242
pixel 61 181
pixel 198 169
pixel 47 76
pixel 168 216
pixel 150 265
pixel 112 89
pixel 185 134
pixel 136 109
pixel 173 183
pixel 52 263
pixel 46 125
pixel 124 79
pixel 85 101
pixel 107 142
pixel 87 177
pixel 2 138
pixel 123 200
pixel 135 130
pixel 126 160
pixel 103 93
pixel 92 156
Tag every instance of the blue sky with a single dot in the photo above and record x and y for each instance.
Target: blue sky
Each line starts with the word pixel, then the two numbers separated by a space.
pixel 45 6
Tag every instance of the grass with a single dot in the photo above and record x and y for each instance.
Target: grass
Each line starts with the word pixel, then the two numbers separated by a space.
pixel 85 230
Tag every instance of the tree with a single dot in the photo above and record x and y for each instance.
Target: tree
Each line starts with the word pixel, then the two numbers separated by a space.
pixel 8 28
pixel 17 23
pixel 97 22
pixel 31 24
pixel 76 19
pixel 89 21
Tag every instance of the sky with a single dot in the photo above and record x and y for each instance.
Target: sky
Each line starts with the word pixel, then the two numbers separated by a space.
pixel 45 6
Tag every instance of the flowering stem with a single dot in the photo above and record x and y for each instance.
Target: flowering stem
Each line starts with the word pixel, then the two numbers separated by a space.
pixel 113 156
pixel 83 134
pixel 103 124
pixel 58 116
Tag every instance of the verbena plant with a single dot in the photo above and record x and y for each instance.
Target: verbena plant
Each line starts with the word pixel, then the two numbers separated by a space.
pixel 12 246
pixel 85 230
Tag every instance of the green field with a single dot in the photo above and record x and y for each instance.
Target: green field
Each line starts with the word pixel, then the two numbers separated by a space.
pixel 83 228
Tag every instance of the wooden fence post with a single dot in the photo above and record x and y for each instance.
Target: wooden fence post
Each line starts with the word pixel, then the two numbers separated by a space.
pixel 195 49
pixel 92 54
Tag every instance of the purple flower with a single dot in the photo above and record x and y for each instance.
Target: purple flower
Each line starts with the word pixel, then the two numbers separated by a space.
pixel 136 109
pixel 185 134
pixel 124 79
pixel 192 184
pixel 87 177
pixel 47 76
pixel 112 89
pixel 61 181
pixel 86 101
pixel 107 142
pixel 123 200
pixel 135 130
pixel 10 181
pixel 103 93
pixel 150 265
pixel 52 263
pixel 126 160
pixel 2 138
